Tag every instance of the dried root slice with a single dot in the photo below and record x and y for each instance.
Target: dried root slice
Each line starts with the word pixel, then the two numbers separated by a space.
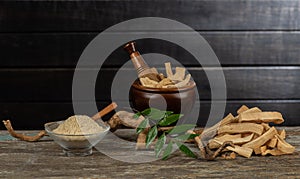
pixel 161 76
pixel 261 140
pixel 247 134
pixel 235 139
pixel 229 156
pixel 272 152
pixel 241 128
pixel 165 82
pixel 283 146
pixel 242 109
pixel 257 151
pixel 243 140
pixel 266 126
pixel 212 131
pixel 147 82
pixel 214 144
pixel 168 69
pixel 263 149
pixel 184 82
pixel 228 137
pixel 12 132
pixel 255 136
pixel 179 74
pixel 272 143
pixel 262 117
pixel 252 110
pixel 151 79
pixel 243 151
pixel 260 150
pixel 282 134
pixel 228 119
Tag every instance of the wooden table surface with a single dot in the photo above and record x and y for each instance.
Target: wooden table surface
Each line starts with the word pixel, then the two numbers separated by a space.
pixel 46 159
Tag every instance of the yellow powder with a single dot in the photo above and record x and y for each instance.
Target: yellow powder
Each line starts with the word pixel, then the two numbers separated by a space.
pixel 78 125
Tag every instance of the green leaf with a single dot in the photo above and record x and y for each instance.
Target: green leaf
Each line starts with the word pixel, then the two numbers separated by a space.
pixel 170 119
pixel 136 115
pixel 153 113
pixel 159 144
pixel 168 150
pixel 185 150
pixel 181 128
pixel 185 137
pixel 151 136
pixel 168 113
pixel 142 126
pixel 156 114
pixel 146 112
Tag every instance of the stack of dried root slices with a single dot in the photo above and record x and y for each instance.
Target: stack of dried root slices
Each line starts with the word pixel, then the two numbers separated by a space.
pixel 177 80
pixel 250 133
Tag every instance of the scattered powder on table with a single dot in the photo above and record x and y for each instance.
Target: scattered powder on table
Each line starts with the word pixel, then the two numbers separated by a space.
pixel 78 125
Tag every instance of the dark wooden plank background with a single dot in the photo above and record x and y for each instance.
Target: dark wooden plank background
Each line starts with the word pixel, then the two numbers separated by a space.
pixel 210 15
pixel 257 43
pixel 232 48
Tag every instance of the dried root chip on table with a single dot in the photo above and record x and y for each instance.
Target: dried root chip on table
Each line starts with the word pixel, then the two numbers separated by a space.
pixel 250 133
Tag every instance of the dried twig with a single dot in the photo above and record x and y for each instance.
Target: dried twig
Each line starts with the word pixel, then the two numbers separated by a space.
pixel 220 149
pixel 199 144
pixel 205 152
pixel 11 131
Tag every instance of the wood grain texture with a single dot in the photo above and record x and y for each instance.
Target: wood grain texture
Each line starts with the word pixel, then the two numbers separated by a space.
pixel 231 48
pixel 56 84
pixel 28 15
pixel 45 159
pixel 29 115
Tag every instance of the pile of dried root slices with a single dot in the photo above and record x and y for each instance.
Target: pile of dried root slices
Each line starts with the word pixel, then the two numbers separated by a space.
pixel 250 132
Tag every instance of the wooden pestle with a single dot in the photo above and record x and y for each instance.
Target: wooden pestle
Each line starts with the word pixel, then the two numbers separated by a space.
pixel 142 68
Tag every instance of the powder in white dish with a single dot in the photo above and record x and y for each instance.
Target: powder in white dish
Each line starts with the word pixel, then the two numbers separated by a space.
pixel 78 125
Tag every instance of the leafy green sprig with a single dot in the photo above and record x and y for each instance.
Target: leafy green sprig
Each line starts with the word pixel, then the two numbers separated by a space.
pixel 157 118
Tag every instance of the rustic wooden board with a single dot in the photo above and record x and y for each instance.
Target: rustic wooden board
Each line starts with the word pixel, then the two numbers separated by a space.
pixel 28 16
pixel 56 84
pixel 45 159
pixel 34 115
pixel 232 48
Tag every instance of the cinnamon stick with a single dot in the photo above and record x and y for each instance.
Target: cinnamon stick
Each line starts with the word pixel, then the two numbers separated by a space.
pixel 105 111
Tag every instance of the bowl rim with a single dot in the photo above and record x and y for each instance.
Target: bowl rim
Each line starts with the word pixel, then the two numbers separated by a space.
pixel 137 85
pixel 106 129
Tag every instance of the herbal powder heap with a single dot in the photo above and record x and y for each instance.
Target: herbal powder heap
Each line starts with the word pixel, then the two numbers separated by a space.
pixel 78 125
